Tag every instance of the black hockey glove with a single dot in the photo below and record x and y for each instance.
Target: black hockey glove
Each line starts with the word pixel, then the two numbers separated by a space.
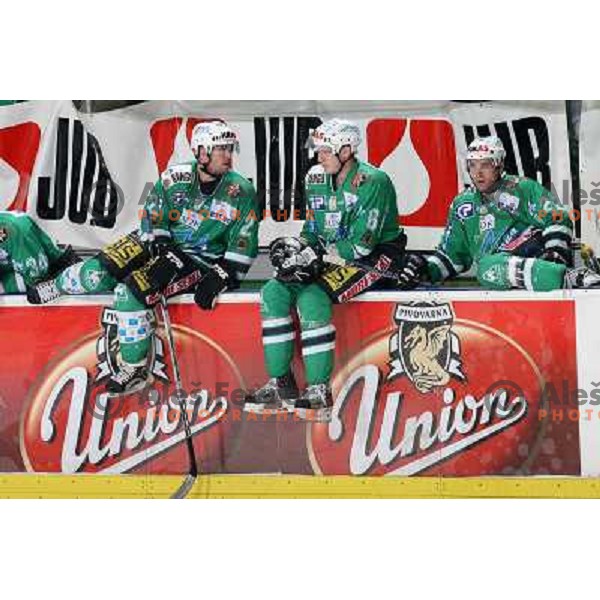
pixel 215 281
pixel 413 272
pixel 559 255
pixel 157 245
pixel 294 261
pixel 165 268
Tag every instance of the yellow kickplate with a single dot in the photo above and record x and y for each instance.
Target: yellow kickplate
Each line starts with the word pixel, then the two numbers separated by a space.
pixel 31 485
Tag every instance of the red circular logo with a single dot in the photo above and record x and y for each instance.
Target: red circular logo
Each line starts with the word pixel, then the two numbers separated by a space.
pixel 71 425
pixel 406 406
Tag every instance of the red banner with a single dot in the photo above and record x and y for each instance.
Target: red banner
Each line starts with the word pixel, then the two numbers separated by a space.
pixel 421 388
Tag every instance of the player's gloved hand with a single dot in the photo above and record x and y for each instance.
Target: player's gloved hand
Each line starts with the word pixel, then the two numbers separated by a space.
pixel 215 281
pixel 294 261
pixel 412 272
pixel 155 243
pixel 164 268
pixel 561 256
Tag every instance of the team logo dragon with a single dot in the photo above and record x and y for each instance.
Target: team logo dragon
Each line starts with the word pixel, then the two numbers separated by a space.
pixel 425 349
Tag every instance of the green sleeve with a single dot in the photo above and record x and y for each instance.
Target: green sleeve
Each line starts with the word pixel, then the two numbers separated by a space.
pixel 242 235
pixel 452 256
pixel 308 231
pixel 155 216
pixel 367 218
pixel 52 251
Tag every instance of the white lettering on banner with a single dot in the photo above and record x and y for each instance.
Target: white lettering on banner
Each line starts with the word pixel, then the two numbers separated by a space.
pixel 129 432
pixel 496 411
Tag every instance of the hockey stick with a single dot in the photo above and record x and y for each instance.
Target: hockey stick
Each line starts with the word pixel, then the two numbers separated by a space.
pixel 190 478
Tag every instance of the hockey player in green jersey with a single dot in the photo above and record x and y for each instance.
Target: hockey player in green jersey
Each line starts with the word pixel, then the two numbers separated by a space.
pixel 352 211
pixel 198 232
pixel 27 254
pixel 511 229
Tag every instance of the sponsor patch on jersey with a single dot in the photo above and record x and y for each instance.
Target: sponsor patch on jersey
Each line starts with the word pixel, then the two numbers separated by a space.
pixel 487 222
pixel 464 211
pixel 317 202
pixel 177 174
pixel 332 202
pixel 317 178
pixel 3 256
pixel 191 219
pixel 3 234
pixel 333 220
pixel 351 199
pixel 508 202
pixel 222 211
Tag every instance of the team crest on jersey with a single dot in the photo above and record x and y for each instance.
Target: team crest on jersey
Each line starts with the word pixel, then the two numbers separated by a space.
pixel 508 202
pixel 3 234
pixel 424 348
pixel 464 211
pixel 233 190
pixel 358 180
pixel 107 350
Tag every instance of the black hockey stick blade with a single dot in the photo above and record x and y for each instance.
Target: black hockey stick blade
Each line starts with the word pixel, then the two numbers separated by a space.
pixel 185 488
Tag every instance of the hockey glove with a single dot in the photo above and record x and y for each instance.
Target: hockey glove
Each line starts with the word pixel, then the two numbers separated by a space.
pixel 559 255
pixel 294 261
pixel 215 281
pixel 164 268
pixel 413 272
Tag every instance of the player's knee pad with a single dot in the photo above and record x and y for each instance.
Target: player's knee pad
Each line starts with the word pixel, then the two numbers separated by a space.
pixel 275 299
pixel 135 326
pixel 87 277
pixel 314 307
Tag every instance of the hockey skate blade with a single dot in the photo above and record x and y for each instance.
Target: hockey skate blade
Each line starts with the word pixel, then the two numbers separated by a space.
pixel 263 409
pixel 185 488
pixel 315 415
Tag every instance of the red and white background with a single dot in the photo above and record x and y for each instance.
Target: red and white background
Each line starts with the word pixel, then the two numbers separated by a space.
pixel 83 175
pixel 425 384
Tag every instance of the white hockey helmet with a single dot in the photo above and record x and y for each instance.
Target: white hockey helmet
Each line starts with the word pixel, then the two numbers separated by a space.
pixel 214 133
pixel 335 134
pixel 487 148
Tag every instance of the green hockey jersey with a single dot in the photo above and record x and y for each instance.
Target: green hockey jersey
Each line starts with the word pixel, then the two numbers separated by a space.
pixel 222 223
pixel 357 216
pixel 482 224
pixel 26 251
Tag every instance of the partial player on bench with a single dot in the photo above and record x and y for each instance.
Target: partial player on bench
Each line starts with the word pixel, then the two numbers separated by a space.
pixel 199 233
pixel 512 229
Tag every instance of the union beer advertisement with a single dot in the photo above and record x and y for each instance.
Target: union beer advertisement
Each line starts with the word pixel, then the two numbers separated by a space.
pixel 421 388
